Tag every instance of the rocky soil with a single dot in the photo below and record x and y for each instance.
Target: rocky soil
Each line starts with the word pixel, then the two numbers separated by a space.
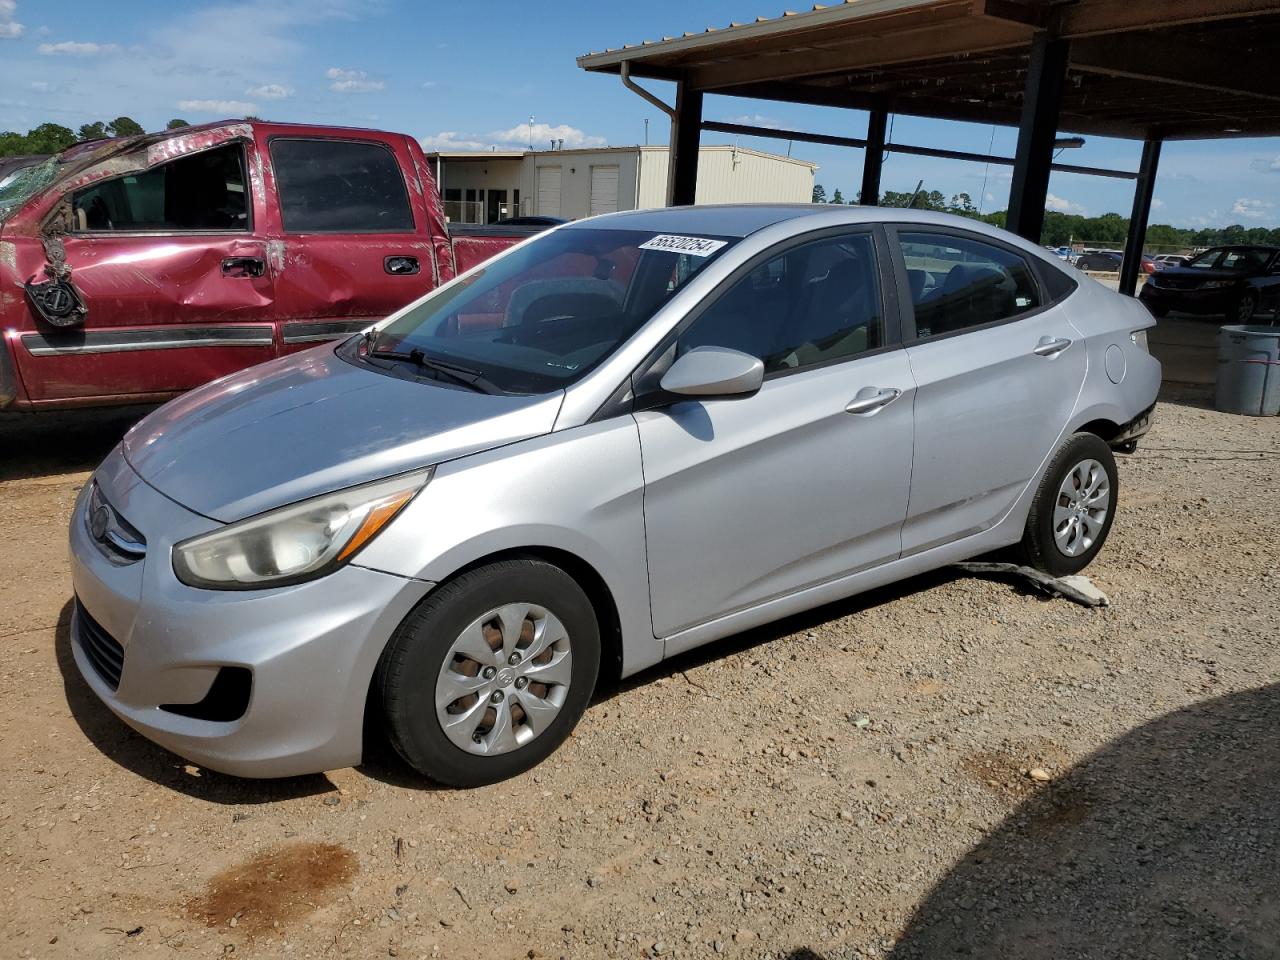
pixel 857 782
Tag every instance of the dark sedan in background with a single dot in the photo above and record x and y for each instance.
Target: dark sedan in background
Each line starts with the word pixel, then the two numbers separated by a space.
pixel 1238 283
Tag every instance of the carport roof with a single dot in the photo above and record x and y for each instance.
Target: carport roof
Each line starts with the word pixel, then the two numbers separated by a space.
pixel 1147 69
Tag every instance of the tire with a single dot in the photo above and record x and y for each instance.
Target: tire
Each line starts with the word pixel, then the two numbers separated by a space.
pixel 1060 554
pixel 417 695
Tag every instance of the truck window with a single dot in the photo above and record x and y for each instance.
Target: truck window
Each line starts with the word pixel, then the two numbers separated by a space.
pixel 340 186
pixel 202 191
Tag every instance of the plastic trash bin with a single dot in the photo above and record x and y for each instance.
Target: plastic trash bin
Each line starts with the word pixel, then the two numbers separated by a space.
pixel 1249 371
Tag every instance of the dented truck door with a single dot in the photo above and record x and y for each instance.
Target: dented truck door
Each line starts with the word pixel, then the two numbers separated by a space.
pixel 162 244
pixel 348 236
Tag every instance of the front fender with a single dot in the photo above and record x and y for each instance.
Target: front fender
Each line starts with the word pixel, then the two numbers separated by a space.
pixel 580 491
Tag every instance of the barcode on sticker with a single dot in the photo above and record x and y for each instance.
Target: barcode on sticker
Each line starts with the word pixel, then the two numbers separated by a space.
pixel 694 246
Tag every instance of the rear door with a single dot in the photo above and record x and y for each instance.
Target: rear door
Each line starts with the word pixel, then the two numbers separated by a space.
pixel 348 232
pixel 998 370
pixel 170 264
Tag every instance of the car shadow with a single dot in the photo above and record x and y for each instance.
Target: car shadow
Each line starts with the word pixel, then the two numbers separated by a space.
pixel 121 744
pixel 1163 844
pixel 63 441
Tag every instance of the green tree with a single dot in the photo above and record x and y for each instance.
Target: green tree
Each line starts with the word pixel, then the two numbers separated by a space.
pixel 93 131
pixel 12 143
pixel 125 127
pixel 837 197
pixel 49 138
pixel 250 116
pixel 819 193
pixel 176 124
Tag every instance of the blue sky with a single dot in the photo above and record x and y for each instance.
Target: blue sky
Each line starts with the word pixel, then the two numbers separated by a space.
pixel 459 74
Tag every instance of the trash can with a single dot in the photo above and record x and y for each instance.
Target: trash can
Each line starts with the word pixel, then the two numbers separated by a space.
pixel 1249 371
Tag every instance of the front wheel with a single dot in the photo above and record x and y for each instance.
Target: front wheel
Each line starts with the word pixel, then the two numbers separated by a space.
pixel 1073 508
pixel 490 674
pixel 1245 307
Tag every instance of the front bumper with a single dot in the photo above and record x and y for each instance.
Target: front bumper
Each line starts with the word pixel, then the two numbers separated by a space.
pixel 311 649
pixel 1204 302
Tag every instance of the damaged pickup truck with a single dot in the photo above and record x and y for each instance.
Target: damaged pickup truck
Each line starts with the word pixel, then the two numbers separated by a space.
pixel 134 269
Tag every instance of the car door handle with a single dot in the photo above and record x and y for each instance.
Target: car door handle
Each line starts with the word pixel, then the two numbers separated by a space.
pixel 1051 347
pixel 243 267
pixel 871 399
pixel 399 265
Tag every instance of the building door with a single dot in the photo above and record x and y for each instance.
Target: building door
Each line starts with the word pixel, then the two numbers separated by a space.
pixel 549 191
pixel 604 189
pixel 495 205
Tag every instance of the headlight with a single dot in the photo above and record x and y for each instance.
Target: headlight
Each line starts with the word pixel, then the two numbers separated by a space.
pixel 294 543
pixel 1139 338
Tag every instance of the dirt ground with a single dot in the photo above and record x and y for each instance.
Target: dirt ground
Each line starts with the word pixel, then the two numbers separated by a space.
pixel 851 783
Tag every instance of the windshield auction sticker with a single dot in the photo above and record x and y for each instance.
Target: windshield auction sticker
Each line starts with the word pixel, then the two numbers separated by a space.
pixel 694 246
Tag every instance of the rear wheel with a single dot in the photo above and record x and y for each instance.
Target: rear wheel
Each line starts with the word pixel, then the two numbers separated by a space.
pixel 1245 307
pixel 1073 508
pixel 489 675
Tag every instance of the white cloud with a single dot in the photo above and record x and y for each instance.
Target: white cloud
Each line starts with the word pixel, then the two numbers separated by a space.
pixel 1157 204
pixel 1265 165
pixel 756 120
pixel 514 138
pixel 1062 205
pixel 1253 209
pixel 74 48
pixel 430 84
pixel 270 91
pixel 352 81
pixel 10 29
pixel 225 108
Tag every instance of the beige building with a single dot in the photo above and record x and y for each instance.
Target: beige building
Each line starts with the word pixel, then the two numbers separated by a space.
pixel 571 184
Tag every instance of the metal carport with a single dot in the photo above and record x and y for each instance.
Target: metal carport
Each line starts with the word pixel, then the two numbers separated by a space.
pixel 1150 70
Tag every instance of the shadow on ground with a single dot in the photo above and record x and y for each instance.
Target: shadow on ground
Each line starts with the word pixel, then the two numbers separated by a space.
pixel 65 441
pixel 1164 844
pixel 121 744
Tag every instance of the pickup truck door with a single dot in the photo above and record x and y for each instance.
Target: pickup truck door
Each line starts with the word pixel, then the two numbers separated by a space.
pixel 163 251
pixel 349 240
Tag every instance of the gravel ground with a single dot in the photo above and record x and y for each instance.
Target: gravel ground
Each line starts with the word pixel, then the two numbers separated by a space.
pixel 856 782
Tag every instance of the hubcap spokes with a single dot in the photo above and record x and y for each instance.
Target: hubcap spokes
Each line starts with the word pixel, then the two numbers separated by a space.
pixel 1081 508
pixel 504 679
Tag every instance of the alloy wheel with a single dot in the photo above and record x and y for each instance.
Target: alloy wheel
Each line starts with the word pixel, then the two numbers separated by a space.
pixel 1080 512
pixel 504 679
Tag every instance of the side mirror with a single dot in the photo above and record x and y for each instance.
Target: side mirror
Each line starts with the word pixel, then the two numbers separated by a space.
pixel 713 372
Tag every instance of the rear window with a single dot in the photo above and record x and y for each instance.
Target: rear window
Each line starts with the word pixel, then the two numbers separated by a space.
pixel 340 186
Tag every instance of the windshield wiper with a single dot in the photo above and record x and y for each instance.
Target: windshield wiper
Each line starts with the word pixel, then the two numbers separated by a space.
pixel 455 372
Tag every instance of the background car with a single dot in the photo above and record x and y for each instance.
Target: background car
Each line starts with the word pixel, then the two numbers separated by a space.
pixel 1099 260
pixel 1164 260
pixel 1237 283
pixel 530 222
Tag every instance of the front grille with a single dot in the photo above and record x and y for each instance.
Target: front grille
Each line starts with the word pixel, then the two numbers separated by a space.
pixel 106 655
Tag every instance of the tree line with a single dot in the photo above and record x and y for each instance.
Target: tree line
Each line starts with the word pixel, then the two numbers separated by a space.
pixel 54 137
pixel 1062 229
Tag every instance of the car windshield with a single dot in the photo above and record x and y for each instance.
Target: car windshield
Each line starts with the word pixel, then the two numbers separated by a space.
pixel 1232 258
pixel 25 182
pixel 542 316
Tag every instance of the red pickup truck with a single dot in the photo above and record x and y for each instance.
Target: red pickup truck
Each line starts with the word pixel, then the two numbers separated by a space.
pixel 134 269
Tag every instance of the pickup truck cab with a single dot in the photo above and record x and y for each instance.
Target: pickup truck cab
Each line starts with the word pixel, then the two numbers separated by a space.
pixel 134 269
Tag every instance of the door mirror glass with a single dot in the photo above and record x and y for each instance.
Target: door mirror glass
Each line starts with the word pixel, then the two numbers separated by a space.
pixel 710 372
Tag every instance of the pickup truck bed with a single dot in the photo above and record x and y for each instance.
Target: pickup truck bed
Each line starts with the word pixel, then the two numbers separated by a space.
pixel 134 269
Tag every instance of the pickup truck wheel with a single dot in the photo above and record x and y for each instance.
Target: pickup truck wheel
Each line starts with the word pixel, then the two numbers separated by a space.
pixel 490 674
pixel 1073 508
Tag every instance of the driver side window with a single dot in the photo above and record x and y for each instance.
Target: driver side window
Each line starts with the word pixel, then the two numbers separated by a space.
pixel 814 304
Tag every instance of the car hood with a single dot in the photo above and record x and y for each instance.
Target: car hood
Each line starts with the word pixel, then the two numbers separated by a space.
pixel 312 423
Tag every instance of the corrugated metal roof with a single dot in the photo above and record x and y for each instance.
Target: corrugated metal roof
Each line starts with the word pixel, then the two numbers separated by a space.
pixel 788 19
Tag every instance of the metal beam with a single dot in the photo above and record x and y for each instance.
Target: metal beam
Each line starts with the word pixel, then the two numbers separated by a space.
pixel 873 159
pixel 686 132
pixel 1046 78
pixel 1181 63
pixel 1137 237
pixel 1091 17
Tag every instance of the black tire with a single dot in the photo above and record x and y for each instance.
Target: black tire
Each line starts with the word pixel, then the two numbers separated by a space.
pixel 1246 306
pixel 1039 547
pixel 407 672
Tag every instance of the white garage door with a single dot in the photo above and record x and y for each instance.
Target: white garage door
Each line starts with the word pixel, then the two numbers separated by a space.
pixel 549 191
pixel 604 189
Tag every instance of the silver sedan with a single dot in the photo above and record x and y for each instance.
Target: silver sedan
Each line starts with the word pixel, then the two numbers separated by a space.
pixel 621 439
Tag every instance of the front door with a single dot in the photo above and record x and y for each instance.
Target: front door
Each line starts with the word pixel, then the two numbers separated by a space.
pixel 349 237
pixel 754 498
pixel 998 371
pixel 174 277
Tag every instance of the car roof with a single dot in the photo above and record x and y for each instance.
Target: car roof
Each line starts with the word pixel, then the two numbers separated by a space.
pixel 744 219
